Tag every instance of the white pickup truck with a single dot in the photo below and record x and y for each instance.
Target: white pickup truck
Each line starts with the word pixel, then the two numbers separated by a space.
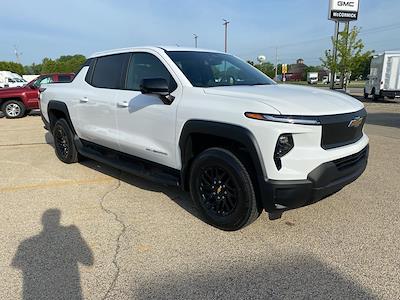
pixel 212 124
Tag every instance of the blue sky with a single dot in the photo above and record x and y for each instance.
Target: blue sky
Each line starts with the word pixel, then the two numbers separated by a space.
pixel 298 27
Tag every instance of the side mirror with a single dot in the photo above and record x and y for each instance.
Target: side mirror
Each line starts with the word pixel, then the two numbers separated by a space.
pixel 157 86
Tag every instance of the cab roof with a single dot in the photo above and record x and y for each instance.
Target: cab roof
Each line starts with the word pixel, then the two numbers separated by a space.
pixel 154 48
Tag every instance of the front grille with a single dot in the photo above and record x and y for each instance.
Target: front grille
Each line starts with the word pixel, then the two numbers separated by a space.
pixel 337 130
pixel 349 161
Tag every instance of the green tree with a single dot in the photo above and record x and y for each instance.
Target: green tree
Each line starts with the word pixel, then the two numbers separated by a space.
pixel 12 67
pixel 363 66
pixel 63 64
pixel 33 69
pixel 267 68
pixel 349 53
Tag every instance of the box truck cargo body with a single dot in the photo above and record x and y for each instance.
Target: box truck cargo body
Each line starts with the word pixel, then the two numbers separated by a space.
pixel 312 77
pixel 384 76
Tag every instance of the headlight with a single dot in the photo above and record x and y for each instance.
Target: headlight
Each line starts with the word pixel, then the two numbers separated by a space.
pixel 283 146
pixel 304 120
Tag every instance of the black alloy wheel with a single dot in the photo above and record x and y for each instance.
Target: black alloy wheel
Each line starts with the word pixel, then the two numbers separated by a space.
pixel 61 142
pixel 222 190
pixel 64 142
pixel 219 191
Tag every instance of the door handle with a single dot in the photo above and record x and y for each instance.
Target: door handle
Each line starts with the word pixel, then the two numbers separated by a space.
pixel 84 100
pixel 123 104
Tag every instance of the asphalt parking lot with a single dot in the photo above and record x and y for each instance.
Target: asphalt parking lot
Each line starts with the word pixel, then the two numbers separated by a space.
pixel 89 230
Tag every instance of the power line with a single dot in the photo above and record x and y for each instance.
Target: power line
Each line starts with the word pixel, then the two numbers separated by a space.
pixel 388 27
pixel 367 31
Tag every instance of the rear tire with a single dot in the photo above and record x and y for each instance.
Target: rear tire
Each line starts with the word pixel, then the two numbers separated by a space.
pixel 13 109
pixel 64 142
pixel 366 95
pixel 222 190
pixel 375 96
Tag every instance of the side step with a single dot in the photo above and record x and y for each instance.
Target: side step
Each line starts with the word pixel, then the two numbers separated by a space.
pixel 129 164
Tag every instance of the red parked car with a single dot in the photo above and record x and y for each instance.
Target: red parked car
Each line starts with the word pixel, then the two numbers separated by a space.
pixel 17 102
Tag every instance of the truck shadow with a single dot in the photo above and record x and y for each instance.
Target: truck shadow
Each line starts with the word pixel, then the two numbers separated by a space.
pixel 384 119
pixel 370 100
pixel 294 277
pixel 180 197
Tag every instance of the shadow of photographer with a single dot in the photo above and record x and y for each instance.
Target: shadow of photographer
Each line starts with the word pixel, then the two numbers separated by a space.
pixel 49 261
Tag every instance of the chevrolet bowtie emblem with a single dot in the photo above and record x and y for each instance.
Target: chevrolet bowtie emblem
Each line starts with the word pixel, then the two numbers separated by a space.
pixel 357 121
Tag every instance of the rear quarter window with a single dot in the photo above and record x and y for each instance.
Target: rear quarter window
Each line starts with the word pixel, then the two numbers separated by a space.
pixel 64 78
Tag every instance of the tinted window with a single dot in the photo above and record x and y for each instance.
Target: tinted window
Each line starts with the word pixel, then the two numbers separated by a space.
pixel 108 71
pixel 208 69
pixel 146 65
pixel 41 80
pixel 64 78
pixel 90 63
pixel 46 80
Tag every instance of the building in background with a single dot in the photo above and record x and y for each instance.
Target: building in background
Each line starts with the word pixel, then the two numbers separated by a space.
pixel 297 71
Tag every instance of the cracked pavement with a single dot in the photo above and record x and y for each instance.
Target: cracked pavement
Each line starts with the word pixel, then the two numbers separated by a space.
pixel 121 237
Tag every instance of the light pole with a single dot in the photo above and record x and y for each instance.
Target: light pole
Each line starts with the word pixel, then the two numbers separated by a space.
pixel 226 22
pixel 195 39
pixel 276 63
pixel 334 53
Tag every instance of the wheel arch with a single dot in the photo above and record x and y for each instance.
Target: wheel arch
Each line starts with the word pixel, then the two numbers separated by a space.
pixel 5 99
pixel 57 110
pixel 227 136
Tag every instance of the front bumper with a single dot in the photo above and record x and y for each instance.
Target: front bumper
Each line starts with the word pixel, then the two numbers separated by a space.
pixel 323 181
pixel 391 94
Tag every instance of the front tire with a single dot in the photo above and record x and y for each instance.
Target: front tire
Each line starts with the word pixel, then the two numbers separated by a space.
pixel 64 142
pixel 222 190
pixel 13 109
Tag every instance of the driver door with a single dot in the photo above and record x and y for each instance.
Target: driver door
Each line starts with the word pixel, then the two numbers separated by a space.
pixel 146 126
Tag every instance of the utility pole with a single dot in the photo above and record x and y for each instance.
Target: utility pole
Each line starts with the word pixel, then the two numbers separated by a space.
pixel 344 75
pixel 17 54
pixel 276 63
pixel 334 54
pixel 195 39
pixel 226 22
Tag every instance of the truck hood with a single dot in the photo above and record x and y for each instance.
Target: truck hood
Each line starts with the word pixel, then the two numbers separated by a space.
pixel 13 89
pixel 292 99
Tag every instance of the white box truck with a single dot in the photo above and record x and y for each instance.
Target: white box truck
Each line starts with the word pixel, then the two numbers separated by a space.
pixel 312 77
pixel 384 77
pixel 9 79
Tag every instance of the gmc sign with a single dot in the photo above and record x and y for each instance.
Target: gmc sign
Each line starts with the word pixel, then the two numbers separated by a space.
pixel 343 10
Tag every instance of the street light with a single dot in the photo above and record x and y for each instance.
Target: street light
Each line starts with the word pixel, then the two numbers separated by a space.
pixel 195 39
pixel 226 22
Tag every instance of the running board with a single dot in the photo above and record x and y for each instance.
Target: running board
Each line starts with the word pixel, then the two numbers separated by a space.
pixel 129 164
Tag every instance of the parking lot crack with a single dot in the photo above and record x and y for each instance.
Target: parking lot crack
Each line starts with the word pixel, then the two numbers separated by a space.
pixel 118 238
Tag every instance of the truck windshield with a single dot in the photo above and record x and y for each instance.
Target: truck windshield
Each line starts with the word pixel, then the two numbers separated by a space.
pixel 210 69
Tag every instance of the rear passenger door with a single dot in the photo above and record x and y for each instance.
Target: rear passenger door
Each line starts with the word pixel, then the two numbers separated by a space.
pixel 146 125
pixel 96 104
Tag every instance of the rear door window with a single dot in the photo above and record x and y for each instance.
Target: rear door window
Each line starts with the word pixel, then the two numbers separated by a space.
pixel 109 71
